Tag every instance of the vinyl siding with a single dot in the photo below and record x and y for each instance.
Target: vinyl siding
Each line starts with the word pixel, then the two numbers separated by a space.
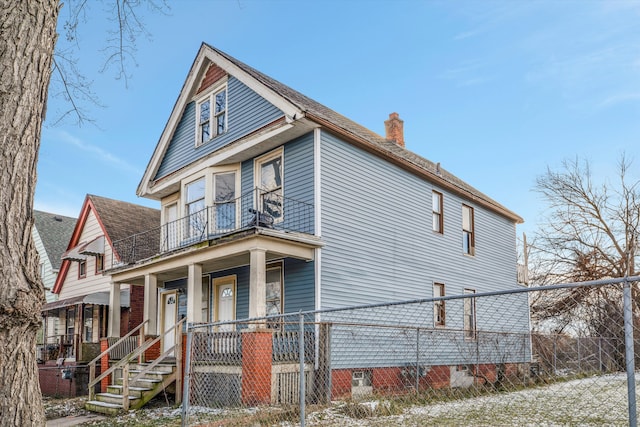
pixel 247 112
pixel 49 277
pixel 298 288
pixel 379 243
pixel 299 285
pixel 74 286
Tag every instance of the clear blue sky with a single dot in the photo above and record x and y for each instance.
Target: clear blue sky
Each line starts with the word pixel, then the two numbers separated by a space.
pixel 494 91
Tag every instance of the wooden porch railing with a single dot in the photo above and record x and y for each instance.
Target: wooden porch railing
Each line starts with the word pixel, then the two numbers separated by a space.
pixel 92 365
pixel 123 364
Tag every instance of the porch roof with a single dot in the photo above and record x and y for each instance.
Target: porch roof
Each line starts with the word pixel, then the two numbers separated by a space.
pixel 220 254
pixel 96 298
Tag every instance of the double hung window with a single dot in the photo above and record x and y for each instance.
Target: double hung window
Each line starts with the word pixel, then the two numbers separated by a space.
pixel 212 116
pixel 437 207
pixel 439 312
pixel 468 233
pixel 469 315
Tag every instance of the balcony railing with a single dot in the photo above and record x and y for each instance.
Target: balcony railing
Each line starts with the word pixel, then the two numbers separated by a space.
pixel 257 208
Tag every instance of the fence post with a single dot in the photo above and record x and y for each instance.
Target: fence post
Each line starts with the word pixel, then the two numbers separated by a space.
pixel 629 353
pixel 302 378
pixel 579 355
pixel 186 384
pixel 417 360
pixel 555 357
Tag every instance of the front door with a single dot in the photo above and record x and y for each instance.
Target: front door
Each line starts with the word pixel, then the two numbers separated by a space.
pixel 169 301
pixel 225 300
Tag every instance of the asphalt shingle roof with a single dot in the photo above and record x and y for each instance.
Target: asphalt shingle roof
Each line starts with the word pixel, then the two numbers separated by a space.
pixel 123 219
pixel 55 231
pixel 389 148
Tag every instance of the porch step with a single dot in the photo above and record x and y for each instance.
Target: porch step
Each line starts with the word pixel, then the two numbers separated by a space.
pixel 112 398
pixel 141 391
pixel 134 391
pixel 103 407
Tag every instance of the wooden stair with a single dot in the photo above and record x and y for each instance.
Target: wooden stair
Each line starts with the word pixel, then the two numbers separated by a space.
pixel 141 391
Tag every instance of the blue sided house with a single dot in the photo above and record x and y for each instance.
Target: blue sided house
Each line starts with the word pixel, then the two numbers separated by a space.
pixel 273 203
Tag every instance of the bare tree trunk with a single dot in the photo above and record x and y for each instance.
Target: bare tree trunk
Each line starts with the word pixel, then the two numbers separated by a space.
pixel 27 39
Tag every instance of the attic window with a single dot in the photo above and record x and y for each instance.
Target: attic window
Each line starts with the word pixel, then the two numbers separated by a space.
pixel 212 115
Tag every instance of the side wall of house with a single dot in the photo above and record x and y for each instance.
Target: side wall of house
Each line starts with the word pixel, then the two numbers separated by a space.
pixel 49 277
pixel 93 282
pixel 379 242
pixel 247 112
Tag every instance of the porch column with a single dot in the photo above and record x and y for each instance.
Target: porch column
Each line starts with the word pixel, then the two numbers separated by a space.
pixel 257 283
pixel 194 293
pixel 151 304
pixel 114 310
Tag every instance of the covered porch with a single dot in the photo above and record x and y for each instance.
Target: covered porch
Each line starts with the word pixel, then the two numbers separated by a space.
pixel 185 284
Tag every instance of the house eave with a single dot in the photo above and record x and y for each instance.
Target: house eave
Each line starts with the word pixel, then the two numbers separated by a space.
pixel 403 163
pixel 220 254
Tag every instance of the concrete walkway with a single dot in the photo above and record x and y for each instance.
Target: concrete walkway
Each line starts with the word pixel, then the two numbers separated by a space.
pixel 74 420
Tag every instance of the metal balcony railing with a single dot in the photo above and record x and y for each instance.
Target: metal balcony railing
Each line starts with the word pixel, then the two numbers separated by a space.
pixel 256 208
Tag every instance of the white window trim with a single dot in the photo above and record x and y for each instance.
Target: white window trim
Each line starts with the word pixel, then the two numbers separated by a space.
pixel 210 96
pixel 210 189
pixel 472 298
pixel 444 293
pixel 278 152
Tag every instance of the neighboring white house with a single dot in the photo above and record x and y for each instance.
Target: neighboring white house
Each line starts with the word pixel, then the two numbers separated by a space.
pixel 51 233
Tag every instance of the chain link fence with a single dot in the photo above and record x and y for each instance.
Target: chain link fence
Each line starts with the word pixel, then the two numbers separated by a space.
pixel 533 356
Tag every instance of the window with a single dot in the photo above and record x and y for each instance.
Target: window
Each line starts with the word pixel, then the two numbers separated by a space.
pixel 99 263
pixel 438 218
pixel 42 270
pixel 224 198
pixel 205 298
pixel 469 315
pixel 468 234
pixel 88 323
pixel 270 185
pixel 212 121
pixel 82 269
pixel 194 208
pixel 438 306
pixel 70 325
pixel 274 293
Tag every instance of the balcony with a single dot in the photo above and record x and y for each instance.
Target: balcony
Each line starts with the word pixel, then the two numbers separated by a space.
pixel 255 209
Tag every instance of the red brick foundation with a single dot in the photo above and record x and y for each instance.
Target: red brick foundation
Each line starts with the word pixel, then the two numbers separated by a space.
pixel 104 365
pixel 257 352
pixel 340 383
pixel 153 352
pixel 438 377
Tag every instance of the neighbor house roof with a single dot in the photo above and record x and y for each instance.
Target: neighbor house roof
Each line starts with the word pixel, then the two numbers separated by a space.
pixel 54 231
pixel 117 220
pixel 297 106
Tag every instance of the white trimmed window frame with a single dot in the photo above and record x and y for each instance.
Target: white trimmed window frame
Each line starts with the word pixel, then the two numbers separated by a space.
pixel 213 115
pixel 470 321
pixel 439 307
pixel 257 173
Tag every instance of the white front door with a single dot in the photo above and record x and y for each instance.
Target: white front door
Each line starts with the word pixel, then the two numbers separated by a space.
pixel 225 300
pixel 169 301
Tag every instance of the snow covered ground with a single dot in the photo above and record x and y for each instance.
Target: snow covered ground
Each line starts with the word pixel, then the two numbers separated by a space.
pixel 594 401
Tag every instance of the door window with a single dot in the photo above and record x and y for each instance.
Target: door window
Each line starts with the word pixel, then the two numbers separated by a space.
pixel 224 198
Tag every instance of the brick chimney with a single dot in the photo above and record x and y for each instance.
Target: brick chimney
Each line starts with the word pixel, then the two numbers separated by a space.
pixel 395 129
